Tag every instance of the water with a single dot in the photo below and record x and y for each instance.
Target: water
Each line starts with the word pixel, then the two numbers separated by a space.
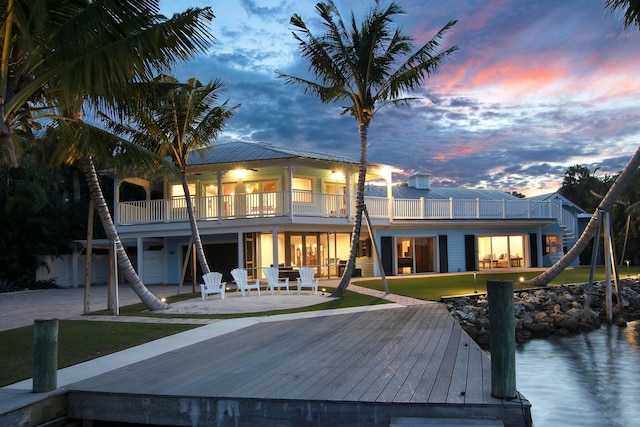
pixel 590 379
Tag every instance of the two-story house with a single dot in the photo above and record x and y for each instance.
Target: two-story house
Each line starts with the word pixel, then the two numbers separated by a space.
pixel 259 205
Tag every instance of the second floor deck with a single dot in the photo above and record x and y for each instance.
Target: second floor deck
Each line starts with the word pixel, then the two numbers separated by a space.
pixel 308 204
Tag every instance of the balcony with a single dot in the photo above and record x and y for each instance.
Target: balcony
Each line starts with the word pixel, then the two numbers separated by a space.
pixel 319 205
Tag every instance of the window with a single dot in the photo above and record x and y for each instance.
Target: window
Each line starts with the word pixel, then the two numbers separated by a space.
pixel 551 244
pixel 210 192
pixel 177 191
pixel 501 251
pixel 415 255
pixel 261 197
pixel 302 190
pixel 335 198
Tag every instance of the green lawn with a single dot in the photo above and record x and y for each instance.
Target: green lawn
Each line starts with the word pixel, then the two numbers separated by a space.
pixel 78 341
pixel 434 287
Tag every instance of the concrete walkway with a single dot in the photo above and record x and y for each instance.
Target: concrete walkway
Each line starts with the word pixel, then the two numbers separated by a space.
pixel 18 309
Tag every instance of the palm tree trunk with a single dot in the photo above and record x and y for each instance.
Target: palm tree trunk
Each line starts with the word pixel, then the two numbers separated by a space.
pixel 7 151
pixel 124 263
pixel 357 224
pixel 605 205
pixel 195 233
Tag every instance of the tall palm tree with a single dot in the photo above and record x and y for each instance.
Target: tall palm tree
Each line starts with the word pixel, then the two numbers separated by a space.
pixel 175 121
pixel 362 65
pixel 63 53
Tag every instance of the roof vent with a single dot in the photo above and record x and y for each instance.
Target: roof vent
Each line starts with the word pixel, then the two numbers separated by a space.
pixel 419 180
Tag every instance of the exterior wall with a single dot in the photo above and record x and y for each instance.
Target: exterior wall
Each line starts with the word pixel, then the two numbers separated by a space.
pixel 61 269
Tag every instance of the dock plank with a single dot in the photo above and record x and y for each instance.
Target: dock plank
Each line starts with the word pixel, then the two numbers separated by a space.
pixel 458 385
pixel 445 371
pixel 428 379
pixel 414 377
pixel 348 348
pixel 311 364
pixel 386 365
pixel 396 371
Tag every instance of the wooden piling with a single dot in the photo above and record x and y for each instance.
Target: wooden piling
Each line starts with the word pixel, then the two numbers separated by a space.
pixel 503 338
pixel 45 355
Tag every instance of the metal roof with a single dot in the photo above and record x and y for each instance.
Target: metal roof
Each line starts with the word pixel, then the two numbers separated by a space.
pixel 242 151
pixel 405 192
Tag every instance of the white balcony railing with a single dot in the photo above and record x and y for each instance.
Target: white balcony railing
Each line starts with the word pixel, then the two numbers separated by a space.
pixel 308 204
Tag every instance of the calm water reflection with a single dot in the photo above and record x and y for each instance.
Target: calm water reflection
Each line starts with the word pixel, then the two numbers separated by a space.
pixel 591 379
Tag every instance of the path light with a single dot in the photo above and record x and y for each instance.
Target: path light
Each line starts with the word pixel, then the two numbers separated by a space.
pixel 163 299
pixel 324 290
pixel 475 282
pixel 521 279
pixel 626 261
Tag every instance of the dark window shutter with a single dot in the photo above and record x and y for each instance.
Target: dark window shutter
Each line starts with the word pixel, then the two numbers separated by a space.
pixel 470 252
pixel 444 254
pixel 386 253
pixel 533 249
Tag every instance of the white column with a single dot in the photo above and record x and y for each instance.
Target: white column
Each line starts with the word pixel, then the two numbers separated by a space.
pixel 274 244
pixel 240 250
pixel 290 190
pixel 349 195
pixel 116 199
pixel 220 196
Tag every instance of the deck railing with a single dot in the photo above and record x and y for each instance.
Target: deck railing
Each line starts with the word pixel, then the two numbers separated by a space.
pixel 308 204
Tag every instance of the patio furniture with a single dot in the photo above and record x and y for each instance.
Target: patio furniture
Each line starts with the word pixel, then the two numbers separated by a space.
pixel 307 279
pixel 213 284
pixel 240 276
pixel 274 281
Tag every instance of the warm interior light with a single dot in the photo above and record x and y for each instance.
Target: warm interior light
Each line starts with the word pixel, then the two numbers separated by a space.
pixel 240 173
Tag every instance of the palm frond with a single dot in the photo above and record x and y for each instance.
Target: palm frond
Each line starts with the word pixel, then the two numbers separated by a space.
pixel 78 140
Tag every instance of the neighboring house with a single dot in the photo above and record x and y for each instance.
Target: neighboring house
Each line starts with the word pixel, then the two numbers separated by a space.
pixel 260 205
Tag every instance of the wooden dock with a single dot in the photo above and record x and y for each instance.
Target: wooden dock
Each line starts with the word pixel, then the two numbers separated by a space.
pixel 381 368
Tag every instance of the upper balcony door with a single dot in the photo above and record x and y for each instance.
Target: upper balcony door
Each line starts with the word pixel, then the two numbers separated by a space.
pixel 261 198
pixel 335 199
pixel 211 193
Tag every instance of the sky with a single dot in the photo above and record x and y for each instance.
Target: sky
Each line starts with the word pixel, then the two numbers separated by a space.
pixel 535 88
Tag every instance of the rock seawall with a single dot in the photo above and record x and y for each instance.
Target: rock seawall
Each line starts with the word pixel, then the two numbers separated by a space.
pixel 543 312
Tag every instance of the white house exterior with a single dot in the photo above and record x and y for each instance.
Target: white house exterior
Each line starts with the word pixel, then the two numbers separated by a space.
pixel 260 205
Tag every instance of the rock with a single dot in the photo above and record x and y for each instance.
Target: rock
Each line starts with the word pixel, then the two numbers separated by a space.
pixel 550 311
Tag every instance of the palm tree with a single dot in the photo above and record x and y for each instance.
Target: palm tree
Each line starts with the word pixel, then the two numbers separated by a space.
pixel 61 53
pixel 357 65
pixel 176 121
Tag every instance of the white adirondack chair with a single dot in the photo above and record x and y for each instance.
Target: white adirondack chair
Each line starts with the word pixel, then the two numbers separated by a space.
pixel 240 276
pixel 274 281
pixel 307 280
pixel 213 284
